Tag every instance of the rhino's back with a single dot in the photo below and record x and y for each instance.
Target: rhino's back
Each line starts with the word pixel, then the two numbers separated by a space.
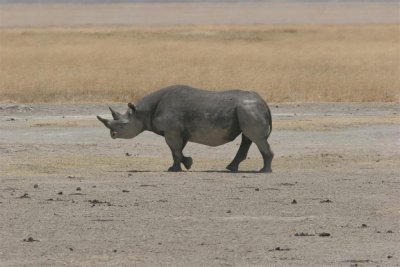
pixel 187 98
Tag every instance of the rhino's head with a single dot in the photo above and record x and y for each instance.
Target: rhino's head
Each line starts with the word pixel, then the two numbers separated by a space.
pixel 123 125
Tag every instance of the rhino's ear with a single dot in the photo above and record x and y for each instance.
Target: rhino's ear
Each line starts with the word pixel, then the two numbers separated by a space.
pixel 132 106
pixel 131 110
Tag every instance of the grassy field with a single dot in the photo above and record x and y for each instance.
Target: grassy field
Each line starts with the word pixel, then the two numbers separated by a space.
pixel 282 63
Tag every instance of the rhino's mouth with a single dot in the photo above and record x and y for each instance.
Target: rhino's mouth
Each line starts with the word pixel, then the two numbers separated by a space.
pixel 113 135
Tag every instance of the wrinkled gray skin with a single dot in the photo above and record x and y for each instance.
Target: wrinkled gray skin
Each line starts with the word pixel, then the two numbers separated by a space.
pixel 183 114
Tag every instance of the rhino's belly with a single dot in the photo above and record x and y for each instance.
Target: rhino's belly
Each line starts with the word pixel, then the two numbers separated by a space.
pixel 213 136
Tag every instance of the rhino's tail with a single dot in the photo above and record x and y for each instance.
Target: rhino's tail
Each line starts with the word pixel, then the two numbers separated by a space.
pixel 269 120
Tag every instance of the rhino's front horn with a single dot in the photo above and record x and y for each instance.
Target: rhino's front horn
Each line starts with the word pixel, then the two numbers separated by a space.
pixel 115 114
pixel 104 121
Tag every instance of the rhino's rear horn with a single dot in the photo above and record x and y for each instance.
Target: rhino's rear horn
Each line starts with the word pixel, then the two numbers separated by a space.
pixel 104 121
pixel 115 114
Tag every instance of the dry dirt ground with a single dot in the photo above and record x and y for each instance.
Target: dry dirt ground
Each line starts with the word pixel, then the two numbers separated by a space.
pixel 72 196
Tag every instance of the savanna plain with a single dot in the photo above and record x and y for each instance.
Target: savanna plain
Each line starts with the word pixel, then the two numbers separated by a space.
pixel 72 196
pixel 282 63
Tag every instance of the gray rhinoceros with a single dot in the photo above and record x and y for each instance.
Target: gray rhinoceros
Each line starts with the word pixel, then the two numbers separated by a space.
pixel 184 114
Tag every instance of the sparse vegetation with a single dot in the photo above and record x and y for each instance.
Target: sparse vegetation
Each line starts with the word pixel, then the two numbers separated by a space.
pixel 282 63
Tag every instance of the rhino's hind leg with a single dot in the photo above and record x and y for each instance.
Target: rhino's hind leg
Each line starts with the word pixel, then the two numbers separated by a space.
pixel 254 121
pixel 240 155
pixel 267 155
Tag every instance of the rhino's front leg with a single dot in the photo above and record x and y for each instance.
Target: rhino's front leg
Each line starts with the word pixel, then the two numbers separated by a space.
pixel 176 144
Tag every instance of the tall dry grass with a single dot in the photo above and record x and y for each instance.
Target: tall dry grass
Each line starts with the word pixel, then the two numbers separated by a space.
pixel 288 63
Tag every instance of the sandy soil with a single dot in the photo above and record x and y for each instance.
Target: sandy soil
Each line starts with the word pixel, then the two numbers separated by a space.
pixel 72 196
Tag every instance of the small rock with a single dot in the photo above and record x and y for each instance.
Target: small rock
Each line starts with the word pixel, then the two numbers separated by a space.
pixel 129 174
pixel 148 185
pixel 228 211
pixel 25 195
pixel 364 225
pixel 294 201
pixel 60 193
pixel 10 119
pixel 35 186
pixel 288 184
pixel 323 234
pixel 71 249
pixel 95 201
pixel 128 154
pixel 282 249
pixel 159 243
pixel 389 256
pixel 125 191
pixel 326 201
pixel 303 234
pixel 30 239
pixel 78 189
pixel 389 231
pixel 114 250
pixel 257 189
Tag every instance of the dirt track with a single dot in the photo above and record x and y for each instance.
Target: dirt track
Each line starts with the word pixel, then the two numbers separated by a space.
pixel 104 202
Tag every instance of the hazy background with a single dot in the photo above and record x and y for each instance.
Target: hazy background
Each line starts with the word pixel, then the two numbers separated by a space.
pixel 184 1
pixel 140 12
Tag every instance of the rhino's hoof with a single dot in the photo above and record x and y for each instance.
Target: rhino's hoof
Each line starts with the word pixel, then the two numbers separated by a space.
pixel 266 170
pixel 175 168
pixel 232 168
pixel 187 162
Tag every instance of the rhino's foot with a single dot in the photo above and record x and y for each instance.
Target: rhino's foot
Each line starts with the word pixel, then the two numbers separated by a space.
pixel 266 170
pixel 187 162
pixel 232 167
pixel 175 168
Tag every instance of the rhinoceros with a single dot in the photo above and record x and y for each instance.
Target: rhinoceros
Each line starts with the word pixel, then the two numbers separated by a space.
pixel 184 114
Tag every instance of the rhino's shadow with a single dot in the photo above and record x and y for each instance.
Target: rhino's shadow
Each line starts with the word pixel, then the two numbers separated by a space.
pixel 204 171
pixel 223 171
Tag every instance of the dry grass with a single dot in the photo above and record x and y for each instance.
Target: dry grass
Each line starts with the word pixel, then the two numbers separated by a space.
pixel 283 64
